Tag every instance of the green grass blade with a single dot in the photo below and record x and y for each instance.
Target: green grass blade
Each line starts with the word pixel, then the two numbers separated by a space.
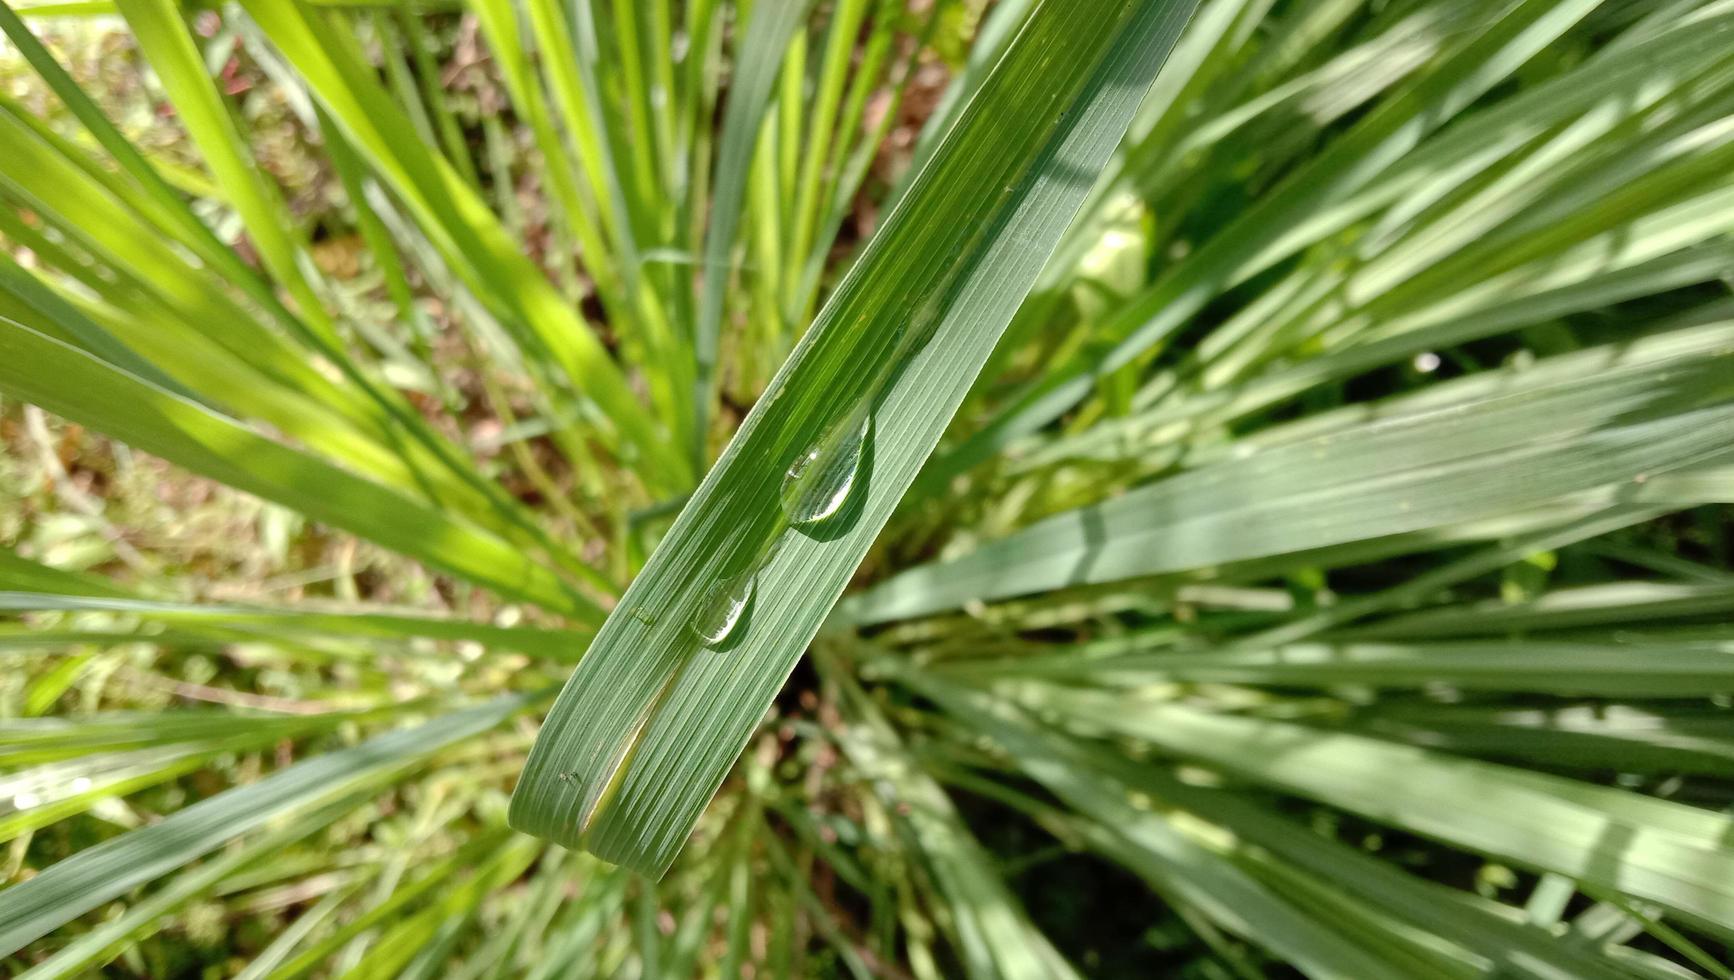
pixel 413 935
pixel 20 574
pixel 1585 608
pixel 649 725
pixel 20 287
pixel 1588 738
pixel 1653 670
pixel 1282 222
pixel 105 776
pixel 1669 853
pixel 1149 843
pixel 169 209
pixel 168 44
pixel 306 620
pixel 1428 461
pixel 33 741
pixel 761 58
pixel 109 870
pixel 1000 26
pixel 181 320
pixel 94 948
pixel 1476 926
pixel 432 101
pixel 994 934
pixel 54 180
pixel 469 237
pixel 74 385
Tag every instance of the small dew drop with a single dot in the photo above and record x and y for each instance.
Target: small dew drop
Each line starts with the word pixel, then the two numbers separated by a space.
pixel 24 801
pixel 1427 362
pixel 819 481
pixel 722 609
pixel 81 784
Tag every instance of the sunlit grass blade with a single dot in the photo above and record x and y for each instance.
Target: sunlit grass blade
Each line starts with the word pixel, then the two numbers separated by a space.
pixel 1586 608
pixel 1282 221
pixel 35 741
pixel 840 40
pixel 151 284
pixel 71 383
pixel 994 934
pixel 1669 853
pixel 94 948
pixel 111 869
pixel 167 311
pixel 767 38
pixel 20 574
pixel 1614 268
pixel 1479 927
pixel 1427 461
pixel 392 953
pixel 420 883
pixel 370 623
pixel 1002 24
pixel 68 768
pixel 469 237
pixel 168 207
pixel 1655 669
pixel 1582 738
pixel 1148 841
pixel 168 43
pixel 648 726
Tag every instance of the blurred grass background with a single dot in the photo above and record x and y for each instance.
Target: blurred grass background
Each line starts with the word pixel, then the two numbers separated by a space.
pixel 808 865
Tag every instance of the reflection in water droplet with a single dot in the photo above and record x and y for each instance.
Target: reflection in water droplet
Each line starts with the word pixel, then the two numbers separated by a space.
pixel 722 609
pixel 818 483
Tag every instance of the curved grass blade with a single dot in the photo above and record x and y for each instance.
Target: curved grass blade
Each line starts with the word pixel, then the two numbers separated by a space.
pixel 1657 850
pixel 107 941
pixel 1597 418
pixel 1283 221
pixel 75 385
pixel 98 874
pixel 1062 761
pixel 767 40
pixel 165 40
pixel 1148 842
pixel 456 219
pixel 651 721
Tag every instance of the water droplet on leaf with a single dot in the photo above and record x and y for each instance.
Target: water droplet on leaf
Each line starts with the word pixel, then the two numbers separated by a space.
pixel 818 483
pixel 722 609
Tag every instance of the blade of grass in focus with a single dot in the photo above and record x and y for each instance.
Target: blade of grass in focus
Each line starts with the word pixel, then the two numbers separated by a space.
pixel 649 724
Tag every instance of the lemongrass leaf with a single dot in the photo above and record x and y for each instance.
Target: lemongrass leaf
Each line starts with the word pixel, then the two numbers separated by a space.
pixel 649 724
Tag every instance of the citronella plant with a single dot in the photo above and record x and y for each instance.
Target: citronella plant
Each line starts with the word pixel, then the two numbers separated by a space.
pixel 1019 489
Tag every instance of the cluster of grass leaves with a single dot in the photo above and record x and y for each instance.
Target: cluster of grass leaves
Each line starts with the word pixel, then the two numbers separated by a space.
pixel 1216 488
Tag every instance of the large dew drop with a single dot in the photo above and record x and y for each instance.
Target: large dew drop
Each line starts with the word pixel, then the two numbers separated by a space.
pixel 722 609
pixel 818 483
